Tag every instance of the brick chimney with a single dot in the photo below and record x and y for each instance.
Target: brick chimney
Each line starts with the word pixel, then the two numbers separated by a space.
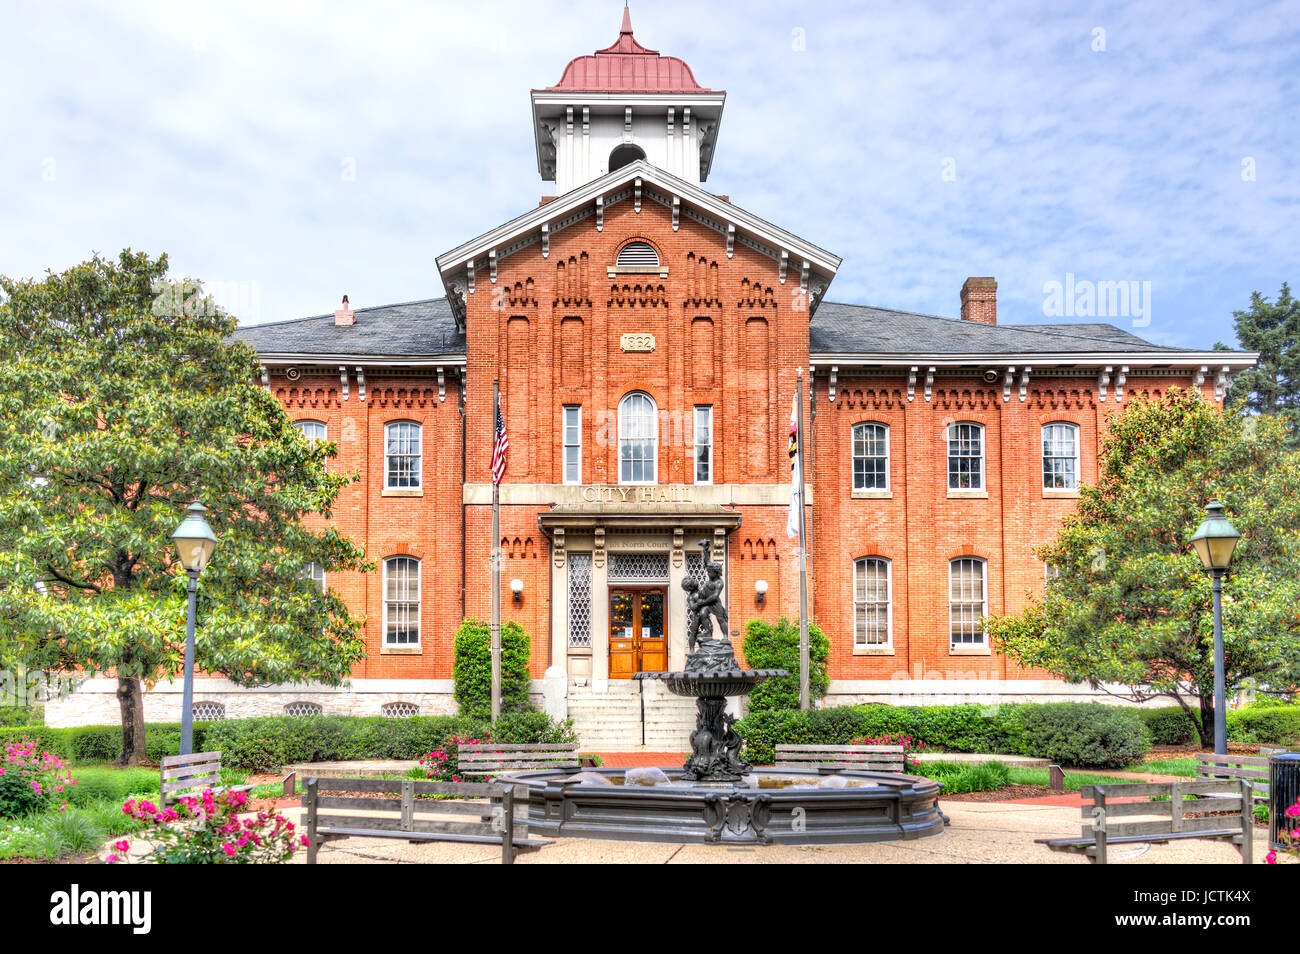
pixel 979 300
pixel 346 316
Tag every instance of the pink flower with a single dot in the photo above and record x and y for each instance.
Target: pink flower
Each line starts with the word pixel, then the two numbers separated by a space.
pixel 122 845
pixel 111 860
pixel 229 849
pixel 1271 858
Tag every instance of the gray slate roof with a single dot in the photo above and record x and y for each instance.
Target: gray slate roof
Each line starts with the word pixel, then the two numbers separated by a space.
pixel 412 329
pixel 426 328
pixel 847 329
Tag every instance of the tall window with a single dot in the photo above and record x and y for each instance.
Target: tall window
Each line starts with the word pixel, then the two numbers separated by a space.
pixel 704 443
pixel 314 572
pixel 402 455
pixel 870 457
pixel 572 426
pixel 638 439
pixel 965 456
pixel 401 601
pixel 967 602
pixel 313 431
pixel 1060 456
pixel 871 602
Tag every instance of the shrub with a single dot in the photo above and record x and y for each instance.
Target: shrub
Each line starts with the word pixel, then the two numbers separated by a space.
pixel 1170 725
pixel 208 830
pixel 1081 733
pixel 1269 725
pixel 109 784
pixel 961 777
pixel 776 646
pixel 472 672
pixel 30 780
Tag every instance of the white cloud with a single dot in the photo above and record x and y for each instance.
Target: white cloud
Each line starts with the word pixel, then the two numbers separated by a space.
pixel 220 134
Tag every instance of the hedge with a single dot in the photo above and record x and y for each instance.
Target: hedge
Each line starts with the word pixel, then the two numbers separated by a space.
pixel 776 646
pixel 1170 725
pixel 263 745
pixel 1267 724
pixel 1071 733
pixel 472 669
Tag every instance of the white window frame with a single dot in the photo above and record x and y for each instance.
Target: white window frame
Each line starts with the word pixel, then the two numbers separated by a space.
pixel 859 635
pixel 305 423
pixel 389 456
pixel 855 456
pixel 307 571
pixel 385 601
pixel 951 437
pixel 953 602
pixel 707 409
pixel 574 445
pixel 1073 430
pixel 653 438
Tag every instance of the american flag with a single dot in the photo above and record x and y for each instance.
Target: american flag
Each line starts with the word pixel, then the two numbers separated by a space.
pixel 500 445
pixel 796 492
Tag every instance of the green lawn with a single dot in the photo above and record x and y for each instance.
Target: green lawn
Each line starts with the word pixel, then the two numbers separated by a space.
pixel 1184 767
pixel 94 815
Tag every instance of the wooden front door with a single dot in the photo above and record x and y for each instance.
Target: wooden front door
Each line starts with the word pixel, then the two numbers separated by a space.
pixel 638 639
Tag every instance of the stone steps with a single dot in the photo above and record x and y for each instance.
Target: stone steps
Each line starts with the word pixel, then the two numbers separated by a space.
pixel 609 717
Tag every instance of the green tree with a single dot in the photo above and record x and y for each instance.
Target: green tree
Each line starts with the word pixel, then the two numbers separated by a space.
pixel 776 646
pixel 472 669
pixel 1132 604
pixel 122 399
pixel 1273 386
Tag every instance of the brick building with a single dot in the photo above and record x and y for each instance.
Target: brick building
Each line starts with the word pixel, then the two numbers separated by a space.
pixel 645 335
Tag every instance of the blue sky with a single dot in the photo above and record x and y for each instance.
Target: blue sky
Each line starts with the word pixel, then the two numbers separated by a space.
pixel 923 142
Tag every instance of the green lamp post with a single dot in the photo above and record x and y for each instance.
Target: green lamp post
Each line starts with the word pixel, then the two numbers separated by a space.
pixel 1214 541
pixel 195 543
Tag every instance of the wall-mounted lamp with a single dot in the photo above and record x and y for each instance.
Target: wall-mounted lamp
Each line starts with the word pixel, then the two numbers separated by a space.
pixel 517 588
pixel 760 590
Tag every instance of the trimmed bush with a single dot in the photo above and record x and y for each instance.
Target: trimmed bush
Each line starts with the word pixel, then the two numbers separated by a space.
pixel 1266 724
pixel 1072 733
pixel 1169 726
pixel 1081 733
pixel 769 646
pixel 473 669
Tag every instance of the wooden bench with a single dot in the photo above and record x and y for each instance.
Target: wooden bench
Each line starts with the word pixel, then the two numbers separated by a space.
pixel 179 774
pixel 1184 812
pixel 348 814
pixel 1252 767
pixel 490 759
pixel 833 758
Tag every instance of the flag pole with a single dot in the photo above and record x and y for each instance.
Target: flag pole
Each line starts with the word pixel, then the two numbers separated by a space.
pixel 804 695
pixel 496 565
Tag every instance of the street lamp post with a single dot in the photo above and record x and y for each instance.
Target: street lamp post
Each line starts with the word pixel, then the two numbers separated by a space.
pixel 1214 541
pixel 195 542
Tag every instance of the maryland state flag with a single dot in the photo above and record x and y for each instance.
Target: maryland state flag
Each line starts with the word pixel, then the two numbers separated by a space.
pixel 796 492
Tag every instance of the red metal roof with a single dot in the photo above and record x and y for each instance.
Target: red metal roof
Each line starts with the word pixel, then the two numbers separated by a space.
pixel 628 67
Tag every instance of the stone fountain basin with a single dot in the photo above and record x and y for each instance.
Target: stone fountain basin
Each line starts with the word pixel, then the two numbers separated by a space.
pixel 770 806
pixel 714 683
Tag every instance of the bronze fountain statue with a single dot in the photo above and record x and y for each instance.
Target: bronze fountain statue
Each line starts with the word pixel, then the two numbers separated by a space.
pixel 711 675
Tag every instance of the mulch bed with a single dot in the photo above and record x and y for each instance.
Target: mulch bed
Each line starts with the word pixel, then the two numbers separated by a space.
pixel 1004 794
pixel 1161 752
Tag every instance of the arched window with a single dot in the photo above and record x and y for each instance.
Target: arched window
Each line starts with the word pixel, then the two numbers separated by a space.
pixel 870 456
pixel 967 601
pixel 965 456
pixel 399 710
pixel 209 711
pixel 1060 456
pixel 313 431
pixel 872 616
pixel 303 709
pixel 637 255
pixel 623 154
pixel 402 455
pixel 638 439
pixel 401 601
